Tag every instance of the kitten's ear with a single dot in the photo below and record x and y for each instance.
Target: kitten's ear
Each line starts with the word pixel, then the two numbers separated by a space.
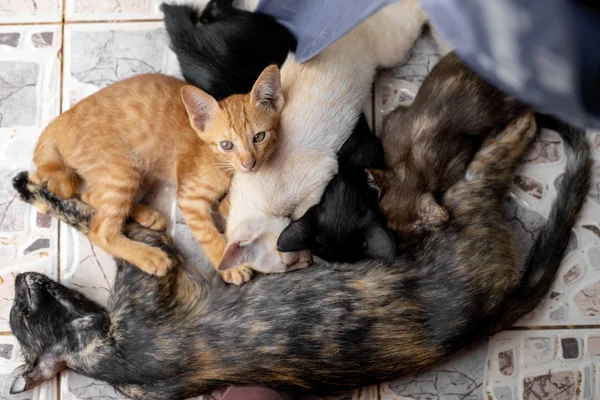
pixel 381 178
pixel 380 244
pixel 232 256
pixel 362 149
pixel 295 236
pixel 237 252
pixel 266 93
pixel 200 106
pixel 431 214
pixel 28 377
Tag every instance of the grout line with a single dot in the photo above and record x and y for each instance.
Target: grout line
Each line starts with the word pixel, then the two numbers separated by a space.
pixel 98 21
pixel 9 333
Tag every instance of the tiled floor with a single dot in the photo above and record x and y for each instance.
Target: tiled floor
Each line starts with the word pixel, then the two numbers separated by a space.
pixel 54 52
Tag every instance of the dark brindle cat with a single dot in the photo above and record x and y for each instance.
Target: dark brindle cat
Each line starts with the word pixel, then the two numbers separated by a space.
pixel 327 327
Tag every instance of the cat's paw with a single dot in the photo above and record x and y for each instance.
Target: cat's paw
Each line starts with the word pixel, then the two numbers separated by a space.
pixel 149 218
pixel 238 275
pixel 522 128
pixel 154 262
pixel 299 265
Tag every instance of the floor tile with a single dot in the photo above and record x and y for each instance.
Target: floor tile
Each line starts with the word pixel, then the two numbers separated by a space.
pixel 10 358
pixel 19 11
pixel 97 55
pixel 460 377
pixel 114 10
pixel 544 365
pixel 29 99
pixel 78 387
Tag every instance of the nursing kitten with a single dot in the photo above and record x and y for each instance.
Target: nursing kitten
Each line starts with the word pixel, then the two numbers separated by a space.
pixel 346 225
pixel 429 145
pixel 355 324
pixel 324 98
pixel 113 145
pixel 225 49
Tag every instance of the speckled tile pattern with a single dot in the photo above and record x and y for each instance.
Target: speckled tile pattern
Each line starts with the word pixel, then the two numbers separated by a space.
pixel 65 50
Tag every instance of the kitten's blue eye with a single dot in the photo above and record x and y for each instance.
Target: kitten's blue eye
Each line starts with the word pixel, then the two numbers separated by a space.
pixel 259 137
pixel 225 145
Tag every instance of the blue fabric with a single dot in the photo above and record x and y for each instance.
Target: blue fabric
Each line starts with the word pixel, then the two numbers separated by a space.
pixel 543 52
pixel 546 53
pixel 318 23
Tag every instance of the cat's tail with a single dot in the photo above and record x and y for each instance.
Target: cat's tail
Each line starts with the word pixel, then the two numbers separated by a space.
pixel 548 250
pixel 71 211
pixel 51 169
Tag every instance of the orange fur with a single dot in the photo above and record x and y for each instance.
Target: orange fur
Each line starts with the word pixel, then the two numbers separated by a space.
pixel 149 128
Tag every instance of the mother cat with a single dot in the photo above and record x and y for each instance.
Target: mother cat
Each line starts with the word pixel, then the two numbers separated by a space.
pixel 323 101
pixel 323 328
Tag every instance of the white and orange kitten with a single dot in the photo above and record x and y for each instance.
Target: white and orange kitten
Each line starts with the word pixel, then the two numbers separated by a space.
pixel 324 97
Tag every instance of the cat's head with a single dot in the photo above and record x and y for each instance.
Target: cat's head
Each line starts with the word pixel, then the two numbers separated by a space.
pixel 412 212
pixel 54 326
pixel 242 128
pixel 345 226
pixel 254 243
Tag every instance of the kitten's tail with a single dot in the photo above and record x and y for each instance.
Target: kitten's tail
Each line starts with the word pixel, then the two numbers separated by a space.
pixel 548 250
pixel 71 211
pixel 180 23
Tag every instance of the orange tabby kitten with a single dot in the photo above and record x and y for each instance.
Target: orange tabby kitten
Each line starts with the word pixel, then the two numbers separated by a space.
pixel 114 144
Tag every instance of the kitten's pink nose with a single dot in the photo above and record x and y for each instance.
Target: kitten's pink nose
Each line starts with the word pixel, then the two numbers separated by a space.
pixel 249 165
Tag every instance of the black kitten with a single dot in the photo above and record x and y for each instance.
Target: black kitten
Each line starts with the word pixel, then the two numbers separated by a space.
pixel 346 226
pixel 225 49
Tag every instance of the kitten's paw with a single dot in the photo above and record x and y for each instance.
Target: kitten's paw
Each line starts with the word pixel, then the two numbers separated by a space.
pixel 41 207
pixel 299 265
pixel 149 218
pixel 523 127
pixel 238 275
pixel 155 262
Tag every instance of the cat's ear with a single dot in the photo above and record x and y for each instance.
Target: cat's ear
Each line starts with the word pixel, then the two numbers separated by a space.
pixel 200 106
pixel 232 257
pixel 266 93
pixel 431 214
pixel 382 178
pixel 380 244
pixel 30 376
pixel 362 149
pixel 296 235
pixel 238 252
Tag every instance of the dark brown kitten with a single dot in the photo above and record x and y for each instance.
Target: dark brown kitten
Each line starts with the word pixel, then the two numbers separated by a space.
pixel 428 146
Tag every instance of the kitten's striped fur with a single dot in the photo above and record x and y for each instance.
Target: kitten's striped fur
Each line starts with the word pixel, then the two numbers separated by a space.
pixel 112 146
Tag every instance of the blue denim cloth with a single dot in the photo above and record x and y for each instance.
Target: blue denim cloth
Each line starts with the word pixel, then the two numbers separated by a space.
pixel 546 53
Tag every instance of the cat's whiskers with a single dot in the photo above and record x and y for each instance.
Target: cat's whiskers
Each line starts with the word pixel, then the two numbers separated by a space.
pixel 224 166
